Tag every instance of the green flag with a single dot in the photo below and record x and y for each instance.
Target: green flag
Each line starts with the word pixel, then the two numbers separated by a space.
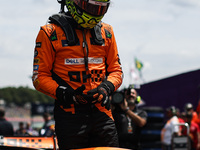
pixel 138 64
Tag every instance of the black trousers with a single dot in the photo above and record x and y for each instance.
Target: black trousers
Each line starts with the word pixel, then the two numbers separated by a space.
pixel 87 128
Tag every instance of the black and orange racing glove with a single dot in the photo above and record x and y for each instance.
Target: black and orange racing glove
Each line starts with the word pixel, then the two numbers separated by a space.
pixel 66 94
pixel 81 98
pixel 102 93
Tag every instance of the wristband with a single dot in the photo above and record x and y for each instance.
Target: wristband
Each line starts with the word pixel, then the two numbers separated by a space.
pixel 126 109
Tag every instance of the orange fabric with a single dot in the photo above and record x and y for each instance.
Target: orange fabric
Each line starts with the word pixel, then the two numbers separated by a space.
pixel 103 109
pixel 195 118
pixel 68 61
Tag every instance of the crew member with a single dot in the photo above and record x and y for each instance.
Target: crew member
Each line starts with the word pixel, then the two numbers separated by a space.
pixel 170 128
pixel 6 127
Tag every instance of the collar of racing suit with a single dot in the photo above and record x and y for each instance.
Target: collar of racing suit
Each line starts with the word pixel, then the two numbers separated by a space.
pixel 68 24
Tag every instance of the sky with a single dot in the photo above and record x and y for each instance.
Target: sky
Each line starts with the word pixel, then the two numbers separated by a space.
pixel 163 34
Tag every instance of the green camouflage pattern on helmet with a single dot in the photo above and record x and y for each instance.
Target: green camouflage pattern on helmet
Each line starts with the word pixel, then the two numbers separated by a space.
pixel 82 18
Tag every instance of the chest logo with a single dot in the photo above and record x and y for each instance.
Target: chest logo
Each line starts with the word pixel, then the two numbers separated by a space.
pixel 80 61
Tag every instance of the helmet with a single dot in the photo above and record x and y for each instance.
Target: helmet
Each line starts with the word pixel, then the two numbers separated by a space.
pixel 188 106
pixel 172 109
pixel 87 13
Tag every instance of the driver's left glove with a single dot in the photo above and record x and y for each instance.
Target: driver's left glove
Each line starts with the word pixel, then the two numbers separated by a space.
pixel 104 90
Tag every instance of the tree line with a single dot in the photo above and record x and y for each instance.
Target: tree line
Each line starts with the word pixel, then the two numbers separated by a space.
pixel 22 95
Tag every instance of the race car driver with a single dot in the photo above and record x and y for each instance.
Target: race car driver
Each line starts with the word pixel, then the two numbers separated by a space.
pixel 76 62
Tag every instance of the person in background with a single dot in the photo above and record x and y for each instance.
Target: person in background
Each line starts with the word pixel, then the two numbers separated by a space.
pixel 190 109
pixel 170 128
pixel 30 131
pixel 6 127
pixel 194 131
pixel 129 120
pixel 198 112
pixel 180 119
pixel 48 128
pixel 179 115
pixel 21 131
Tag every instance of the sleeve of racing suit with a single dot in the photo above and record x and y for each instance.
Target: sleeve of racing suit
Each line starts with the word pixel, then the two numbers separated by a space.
pixel 115 74
pixel 44 56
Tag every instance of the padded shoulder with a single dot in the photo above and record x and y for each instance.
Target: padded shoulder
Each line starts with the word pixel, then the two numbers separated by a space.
pixel 63 21
pixel 108 30
pixel 49 29
pixel 96 34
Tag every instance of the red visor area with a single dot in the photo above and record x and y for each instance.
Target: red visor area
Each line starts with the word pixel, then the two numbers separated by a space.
pixel 93 7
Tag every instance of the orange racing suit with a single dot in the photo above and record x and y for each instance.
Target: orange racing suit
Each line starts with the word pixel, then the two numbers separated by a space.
pixel 54 54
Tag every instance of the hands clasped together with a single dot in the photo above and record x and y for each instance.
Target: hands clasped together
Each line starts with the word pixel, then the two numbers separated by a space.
pixel 99 94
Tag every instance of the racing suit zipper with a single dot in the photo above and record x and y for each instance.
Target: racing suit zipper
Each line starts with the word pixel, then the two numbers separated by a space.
pixel 85 50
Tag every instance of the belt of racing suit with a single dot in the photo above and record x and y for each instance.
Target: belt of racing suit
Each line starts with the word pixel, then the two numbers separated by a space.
pixel 78 108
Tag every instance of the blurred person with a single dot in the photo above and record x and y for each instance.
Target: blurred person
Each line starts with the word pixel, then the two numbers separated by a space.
pixel 6 127
pixel 30 131
pixel 190 109
pixel 179 115
pixel 198 109
pixel 76 62
pixel 194 131
pixel 183 128
pixel 129 120
pixel 48 128
pixel 180 119
pixel 21 131
pixel 170 128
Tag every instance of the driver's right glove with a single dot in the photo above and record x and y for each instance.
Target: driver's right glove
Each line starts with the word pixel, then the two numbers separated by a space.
pixel 65 95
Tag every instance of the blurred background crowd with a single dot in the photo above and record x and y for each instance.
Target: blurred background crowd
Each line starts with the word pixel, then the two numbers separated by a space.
pixel 139 126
